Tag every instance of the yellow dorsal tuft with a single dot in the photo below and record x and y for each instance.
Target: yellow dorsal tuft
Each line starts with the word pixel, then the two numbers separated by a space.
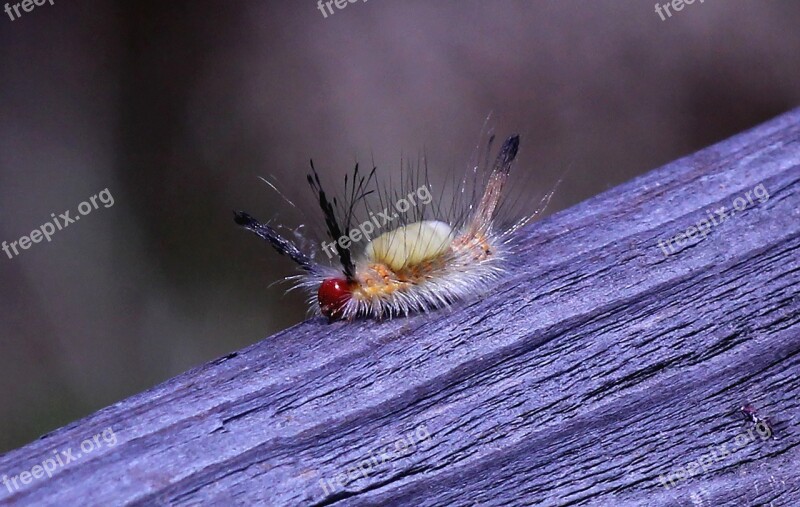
pixel 411 244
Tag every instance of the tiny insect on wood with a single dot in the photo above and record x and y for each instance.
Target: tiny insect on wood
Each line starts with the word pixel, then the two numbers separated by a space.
pixel 420 265
pixel 751 414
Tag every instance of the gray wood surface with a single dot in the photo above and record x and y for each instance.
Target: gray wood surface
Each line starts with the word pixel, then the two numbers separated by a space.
pixel 594 370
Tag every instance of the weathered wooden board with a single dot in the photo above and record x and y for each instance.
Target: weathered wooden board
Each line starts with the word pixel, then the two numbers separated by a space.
pixel 599 365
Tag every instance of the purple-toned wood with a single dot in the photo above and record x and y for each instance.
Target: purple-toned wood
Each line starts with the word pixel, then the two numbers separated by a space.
pixel 599 366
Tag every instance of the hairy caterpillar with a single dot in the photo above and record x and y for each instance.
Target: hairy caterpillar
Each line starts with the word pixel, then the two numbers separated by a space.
pixel 424 263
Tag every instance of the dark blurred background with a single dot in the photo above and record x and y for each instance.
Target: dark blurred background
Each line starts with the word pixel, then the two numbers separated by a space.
pixel 176 107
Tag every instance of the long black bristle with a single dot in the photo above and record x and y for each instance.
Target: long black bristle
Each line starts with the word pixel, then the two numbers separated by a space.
pixel 508 153
pixel 282 245
pixel 335 231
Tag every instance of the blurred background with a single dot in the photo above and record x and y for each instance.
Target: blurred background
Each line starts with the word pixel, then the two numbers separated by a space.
pixel 177 107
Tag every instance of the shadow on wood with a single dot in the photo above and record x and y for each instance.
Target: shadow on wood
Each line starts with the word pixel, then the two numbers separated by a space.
pixel 609 369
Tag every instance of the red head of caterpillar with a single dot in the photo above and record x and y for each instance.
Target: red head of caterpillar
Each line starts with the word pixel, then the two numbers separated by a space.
pixel 418 262
pixel 333 295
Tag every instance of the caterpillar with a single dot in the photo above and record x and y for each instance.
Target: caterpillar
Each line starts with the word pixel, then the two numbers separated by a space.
pixel 425 263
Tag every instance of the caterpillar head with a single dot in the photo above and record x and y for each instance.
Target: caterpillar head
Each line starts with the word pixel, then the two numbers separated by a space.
pixel 333 295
